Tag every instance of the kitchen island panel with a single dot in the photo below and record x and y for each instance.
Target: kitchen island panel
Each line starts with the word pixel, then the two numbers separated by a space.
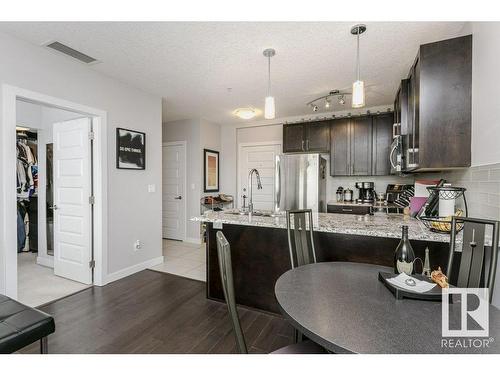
pixel 260 256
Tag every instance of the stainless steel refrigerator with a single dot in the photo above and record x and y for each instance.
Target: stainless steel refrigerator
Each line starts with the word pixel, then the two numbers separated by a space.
pixel 300 182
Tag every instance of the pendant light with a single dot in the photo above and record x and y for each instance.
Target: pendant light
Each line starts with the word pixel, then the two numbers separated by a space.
pixel 358 87
pixel 269 108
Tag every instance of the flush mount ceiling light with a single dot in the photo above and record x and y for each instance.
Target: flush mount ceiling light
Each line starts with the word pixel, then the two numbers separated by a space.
pixel 336 95
pixel 269 109
pixel 358 87
pixel 245 113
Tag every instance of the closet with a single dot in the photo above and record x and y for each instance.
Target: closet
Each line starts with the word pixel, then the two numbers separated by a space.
pixel 27 190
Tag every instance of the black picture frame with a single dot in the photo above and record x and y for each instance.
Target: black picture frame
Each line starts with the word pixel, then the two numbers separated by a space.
pixel 135 157
pixel 207 188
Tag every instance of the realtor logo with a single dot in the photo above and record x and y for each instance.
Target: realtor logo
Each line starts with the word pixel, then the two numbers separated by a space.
pixel 474 310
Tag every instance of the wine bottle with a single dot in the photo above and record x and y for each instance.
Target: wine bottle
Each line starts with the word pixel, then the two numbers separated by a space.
pixel 427 267
pixel 404 255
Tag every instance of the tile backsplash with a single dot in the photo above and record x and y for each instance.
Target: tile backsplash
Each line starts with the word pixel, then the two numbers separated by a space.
pixel 482 184
pixel 483 189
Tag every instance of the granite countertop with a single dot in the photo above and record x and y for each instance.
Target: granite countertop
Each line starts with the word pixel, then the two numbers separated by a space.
pixel 377 225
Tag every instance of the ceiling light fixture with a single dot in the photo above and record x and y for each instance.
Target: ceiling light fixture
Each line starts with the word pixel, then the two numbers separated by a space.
pixel 245 113
pixel 358 87
pixel 270 108
pixel 327 103
pixel 337 94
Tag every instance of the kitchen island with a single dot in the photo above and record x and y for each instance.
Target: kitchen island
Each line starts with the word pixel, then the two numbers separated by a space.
pixel 259 248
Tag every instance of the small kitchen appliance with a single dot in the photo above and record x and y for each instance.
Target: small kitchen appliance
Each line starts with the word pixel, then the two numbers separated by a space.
pixel 366 192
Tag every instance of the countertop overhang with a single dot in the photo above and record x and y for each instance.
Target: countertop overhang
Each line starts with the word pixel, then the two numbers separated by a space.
pixel 376 225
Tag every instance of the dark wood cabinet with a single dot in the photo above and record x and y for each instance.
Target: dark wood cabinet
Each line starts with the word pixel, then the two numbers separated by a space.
pixel 317 137
pixel 339 147
pixel 307 137
pixel 360 145
pixel 293 138
pixel 438 131
pixel 382 130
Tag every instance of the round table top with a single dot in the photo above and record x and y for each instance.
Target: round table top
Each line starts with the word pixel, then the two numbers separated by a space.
pixel 345 308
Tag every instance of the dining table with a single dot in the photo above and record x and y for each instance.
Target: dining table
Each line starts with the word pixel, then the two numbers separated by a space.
pixel 346 309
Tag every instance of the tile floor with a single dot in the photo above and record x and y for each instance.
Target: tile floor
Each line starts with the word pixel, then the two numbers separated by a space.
pixel 38 285
pixel 183 259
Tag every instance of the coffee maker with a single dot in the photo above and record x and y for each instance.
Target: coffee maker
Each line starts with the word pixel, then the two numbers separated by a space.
pixel 366 192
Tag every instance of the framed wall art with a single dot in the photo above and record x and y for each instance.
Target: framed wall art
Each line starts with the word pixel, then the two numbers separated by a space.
pixel 210 171
pixel 130 149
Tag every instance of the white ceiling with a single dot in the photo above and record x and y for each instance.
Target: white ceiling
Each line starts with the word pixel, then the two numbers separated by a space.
pixel 192 64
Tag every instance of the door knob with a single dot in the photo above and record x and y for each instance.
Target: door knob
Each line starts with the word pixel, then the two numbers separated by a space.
pixel 178 197
pixel 54 207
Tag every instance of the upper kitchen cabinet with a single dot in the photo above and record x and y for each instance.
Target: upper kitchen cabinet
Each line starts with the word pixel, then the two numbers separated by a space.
pixel 383 130
pixel 307 137
pixel 360 145
pixel 439 90
pixel 340 147
pixel 293 138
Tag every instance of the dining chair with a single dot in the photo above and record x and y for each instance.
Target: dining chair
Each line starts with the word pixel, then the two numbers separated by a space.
pixel 226 272
pixel 300 239
pixel 472 271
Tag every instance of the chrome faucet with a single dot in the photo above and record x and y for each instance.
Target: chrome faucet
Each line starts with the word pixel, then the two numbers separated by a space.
pixel 250 189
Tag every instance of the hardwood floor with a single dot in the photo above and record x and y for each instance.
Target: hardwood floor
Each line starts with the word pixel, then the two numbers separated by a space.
pixel 153 312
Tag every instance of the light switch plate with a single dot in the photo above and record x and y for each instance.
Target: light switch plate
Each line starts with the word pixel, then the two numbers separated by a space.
pixel 151 188
pixel 217 224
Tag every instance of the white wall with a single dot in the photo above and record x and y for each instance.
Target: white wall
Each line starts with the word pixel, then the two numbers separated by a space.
pixel 198 134
pixel 133 213
pixel 189 131
pixel 485 101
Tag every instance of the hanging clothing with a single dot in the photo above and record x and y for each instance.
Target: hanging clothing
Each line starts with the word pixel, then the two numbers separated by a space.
pixel 21 229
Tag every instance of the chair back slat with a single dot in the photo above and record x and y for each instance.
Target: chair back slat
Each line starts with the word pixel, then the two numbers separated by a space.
pixel 226 271
pixel 471 272
pixel 300 237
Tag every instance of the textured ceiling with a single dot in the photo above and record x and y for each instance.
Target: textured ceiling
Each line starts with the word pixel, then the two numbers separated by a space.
pixel 192 64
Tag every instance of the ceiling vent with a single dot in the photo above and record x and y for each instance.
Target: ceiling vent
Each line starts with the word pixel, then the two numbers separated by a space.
pixel 58 46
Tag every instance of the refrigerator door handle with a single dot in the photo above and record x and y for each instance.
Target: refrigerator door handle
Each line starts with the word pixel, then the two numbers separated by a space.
pixel 277 184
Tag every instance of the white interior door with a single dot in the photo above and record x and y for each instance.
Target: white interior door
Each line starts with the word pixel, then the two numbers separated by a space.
pixel 72 209
pixel 261 157
pixel 173 175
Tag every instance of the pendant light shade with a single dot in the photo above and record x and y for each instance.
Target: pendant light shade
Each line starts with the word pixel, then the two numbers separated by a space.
pixel 358 87
pixel 269 107
pixel 358 94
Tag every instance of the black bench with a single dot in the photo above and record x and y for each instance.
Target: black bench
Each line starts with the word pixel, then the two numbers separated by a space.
pixel 21 325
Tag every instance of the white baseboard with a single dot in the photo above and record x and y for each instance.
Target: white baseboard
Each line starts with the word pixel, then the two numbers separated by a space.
pixel 45 261
pixel 194 240
pixel 133 269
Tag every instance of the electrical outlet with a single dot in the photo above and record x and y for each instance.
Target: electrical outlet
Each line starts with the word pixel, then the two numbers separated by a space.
pixel 137 245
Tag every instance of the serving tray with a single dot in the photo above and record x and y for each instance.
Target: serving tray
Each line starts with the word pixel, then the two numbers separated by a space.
pixel 432 295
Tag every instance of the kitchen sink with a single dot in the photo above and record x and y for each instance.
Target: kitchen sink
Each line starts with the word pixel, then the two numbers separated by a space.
pixel 255 213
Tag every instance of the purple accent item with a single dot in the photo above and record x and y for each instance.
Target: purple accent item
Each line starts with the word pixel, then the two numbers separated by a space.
pixel 416 203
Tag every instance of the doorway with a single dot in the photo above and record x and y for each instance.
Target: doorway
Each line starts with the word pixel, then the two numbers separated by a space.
pixel 174 190
pixel 53 225
pixel 262 156
pixel 74 242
